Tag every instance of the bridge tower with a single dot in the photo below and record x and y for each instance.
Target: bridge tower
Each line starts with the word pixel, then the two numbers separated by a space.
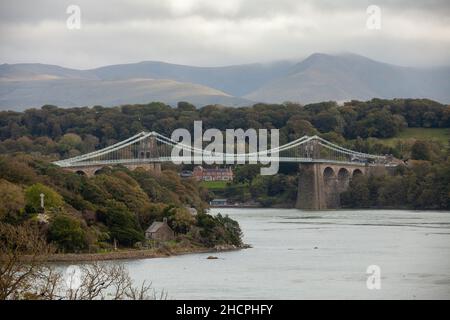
pixel 320 183
pixel 147 149
pixel 148 153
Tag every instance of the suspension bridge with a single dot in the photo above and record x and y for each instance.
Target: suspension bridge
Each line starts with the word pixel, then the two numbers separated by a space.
pixel 325 168
pixel 152 147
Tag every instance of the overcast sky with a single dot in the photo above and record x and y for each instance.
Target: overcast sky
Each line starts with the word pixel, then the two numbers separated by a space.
pixel 213 32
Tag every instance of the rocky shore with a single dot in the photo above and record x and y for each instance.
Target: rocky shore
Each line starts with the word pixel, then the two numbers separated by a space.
pixel 123 254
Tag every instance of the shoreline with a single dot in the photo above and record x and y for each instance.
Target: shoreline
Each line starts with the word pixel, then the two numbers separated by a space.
pixel 332 209
pixel 136 254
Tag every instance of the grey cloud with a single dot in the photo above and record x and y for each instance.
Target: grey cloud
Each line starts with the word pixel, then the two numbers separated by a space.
pixel 118 10
pixel 213 32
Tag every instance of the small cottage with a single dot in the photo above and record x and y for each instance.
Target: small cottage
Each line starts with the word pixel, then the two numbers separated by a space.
pixel 160 231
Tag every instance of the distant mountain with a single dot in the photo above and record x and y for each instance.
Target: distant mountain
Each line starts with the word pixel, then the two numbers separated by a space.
pixel 75 92
pixel 37 71
pixel 319 77
pixel 235 80
pixel 323 77
pixel 32 85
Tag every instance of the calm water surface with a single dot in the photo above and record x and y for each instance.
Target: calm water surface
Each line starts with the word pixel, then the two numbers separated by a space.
pixel 307 255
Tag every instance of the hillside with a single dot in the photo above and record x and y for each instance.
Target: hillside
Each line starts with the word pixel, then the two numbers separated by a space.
pixel 441 135
pixel 113 208
pixel 320 77
pixel 38 71
pixel 235 80
pixel 345 77
pixel 29 140
pixel 87 92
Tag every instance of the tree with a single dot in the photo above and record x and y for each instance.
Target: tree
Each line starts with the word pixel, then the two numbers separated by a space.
pixel 246 173
pixel 17 275
pixel 89 143
pixel 71 139
pixel 185 106
pixel 380 124
pixel 13 199
pixel 358 194
pixel 420 150
pixel 122 224
pixel 180 219
pixel 52 199
pixel 217 230
pixel 24 273
pixel 66 232
pixel 299 127
pixel 329 121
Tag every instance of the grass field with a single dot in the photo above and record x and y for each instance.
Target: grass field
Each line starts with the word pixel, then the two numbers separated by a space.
pixel 214 185
pixel 440 134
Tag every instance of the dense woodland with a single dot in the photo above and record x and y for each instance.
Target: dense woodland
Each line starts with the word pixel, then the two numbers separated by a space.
pixel 89 214
pixel 66 132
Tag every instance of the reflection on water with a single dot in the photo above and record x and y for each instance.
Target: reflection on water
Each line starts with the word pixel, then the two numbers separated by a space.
pixel 306 255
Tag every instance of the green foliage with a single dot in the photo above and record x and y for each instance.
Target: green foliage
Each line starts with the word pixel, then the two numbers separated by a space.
pixel 246 173
pixel 422 186
pixel 421 150
pixel 179 219
pixel 66 132
pixel 214 185
pixel 441 135
pixel 380 124
pixel 279 190
pixel 121 187
pixel 51 198
pixel 67 233
pixel 217 230
pixel 152 212
pixel 329 120
pixel 358 194
pixel 297 127
pixel 13 200
pixel 17 170
pixel 122 224
pixel 115 204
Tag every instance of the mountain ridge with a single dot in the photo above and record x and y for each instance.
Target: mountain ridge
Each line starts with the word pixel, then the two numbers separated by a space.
pixel 318 77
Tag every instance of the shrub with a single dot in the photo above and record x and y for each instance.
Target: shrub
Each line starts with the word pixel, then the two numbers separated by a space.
pixel 66 232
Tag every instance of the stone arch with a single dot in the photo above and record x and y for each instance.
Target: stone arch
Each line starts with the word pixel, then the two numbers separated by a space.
pixel 343 173
pixel 102 169
pixel 328 174
pixel 81 173
pixel 343 179
pixel 357 172
pixel 330 186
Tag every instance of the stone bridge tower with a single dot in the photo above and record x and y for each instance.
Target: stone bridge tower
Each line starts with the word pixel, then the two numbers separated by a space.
pixel 320 184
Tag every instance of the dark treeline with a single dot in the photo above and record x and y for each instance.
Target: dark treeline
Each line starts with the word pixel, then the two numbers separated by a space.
pixel 68 132
pixel 424 185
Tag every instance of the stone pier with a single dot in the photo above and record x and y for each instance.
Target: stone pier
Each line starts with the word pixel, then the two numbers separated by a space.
pixel 320 184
